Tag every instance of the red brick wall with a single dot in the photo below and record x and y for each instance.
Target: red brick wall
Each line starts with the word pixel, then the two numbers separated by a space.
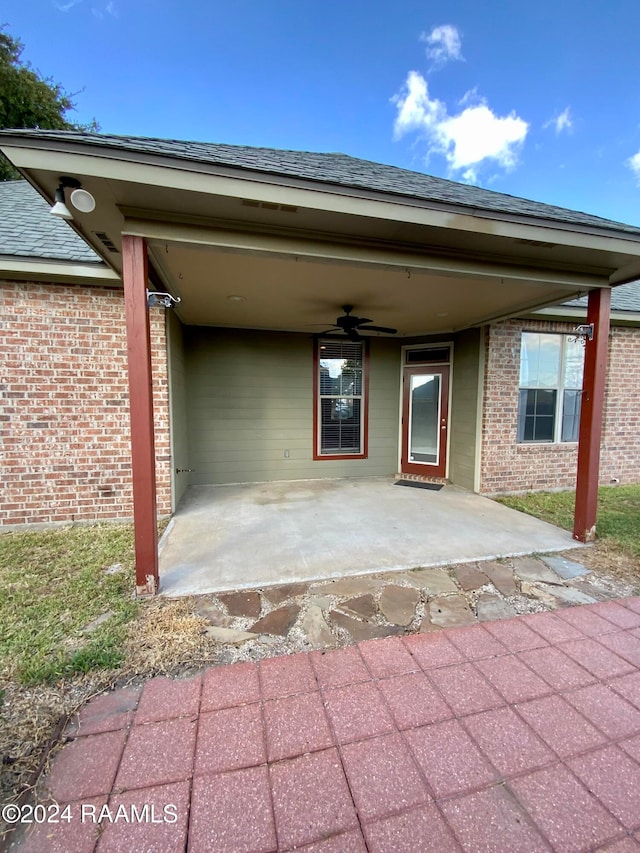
pixel 507 466
pixel 621 439
pixel 64 416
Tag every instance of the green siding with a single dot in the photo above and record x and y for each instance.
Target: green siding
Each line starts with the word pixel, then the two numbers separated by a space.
pixel 250 398
pixel 177 407
pixel 465 390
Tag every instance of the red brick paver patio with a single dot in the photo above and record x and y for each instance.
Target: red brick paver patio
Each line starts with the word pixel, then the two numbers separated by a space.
pixel 519 735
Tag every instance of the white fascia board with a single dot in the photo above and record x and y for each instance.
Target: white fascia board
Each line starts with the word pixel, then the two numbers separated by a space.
pixel 298 193
pixel 576 312
pixel 369 256
pixel 52 270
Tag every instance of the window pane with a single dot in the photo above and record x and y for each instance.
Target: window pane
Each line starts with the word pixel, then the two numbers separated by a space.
pixel 351 381
pixel 428 355
pixel 543 428
pixel 341 368
pixel 424 420
pixel 536 415
pixel 545 403
pixel 522 412
pixel 573 364
pixel 571 415
pixel 340 426
pixel 540 360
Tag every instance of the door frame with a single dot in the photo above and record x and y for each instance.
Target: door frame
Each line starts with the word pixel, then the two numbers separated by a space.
pixel 427 470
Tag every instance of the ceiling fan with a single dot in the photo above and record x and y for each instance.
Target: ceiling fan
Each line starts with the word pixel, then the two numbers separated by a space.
pixel 352 326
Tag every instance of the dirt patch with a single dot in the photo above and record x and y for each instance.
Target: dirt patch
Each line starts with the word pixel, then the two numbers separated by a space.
pixel 609 560
pixel 168 635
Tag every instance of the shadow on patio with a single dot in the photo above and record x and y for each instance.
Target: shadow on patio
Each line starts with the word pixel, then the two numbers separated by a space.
pixel 253 535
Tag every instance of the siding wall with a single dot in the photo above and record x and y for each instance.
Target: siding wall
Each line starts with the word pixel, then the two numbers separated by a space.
pixel 250 398
pixel 465 394
pixel 178 409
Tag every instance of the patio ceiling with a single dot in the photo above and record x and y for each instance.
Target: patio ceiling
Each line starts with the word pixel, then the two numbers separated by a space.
pixel 297 251
pixel 289 291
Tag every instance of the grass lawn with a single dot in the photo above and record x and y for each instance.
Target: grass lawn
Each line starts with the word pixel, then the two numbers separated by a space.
pixel 53 585
pixel 70 629
pixel 618 523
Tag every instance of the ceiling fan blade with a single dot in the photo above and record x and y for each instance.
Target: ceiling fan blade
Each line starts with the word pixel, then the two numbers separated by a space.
pixel 378 329
pixel 327 332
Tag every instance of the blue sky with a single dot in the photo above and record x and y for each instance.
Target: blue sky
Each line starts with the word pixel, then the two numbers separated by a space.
pixel 537 99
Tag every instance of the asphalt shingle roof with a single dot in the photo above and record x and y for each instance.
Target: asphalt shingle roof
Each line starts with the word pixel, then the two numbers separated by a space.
pixel 28 230
pixel 336 169
pixel 626 297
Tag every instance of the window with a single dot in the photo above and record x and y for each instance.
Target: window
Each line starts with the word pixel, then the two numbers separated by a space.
pixel 428 355
pixel 550 388
pixel 340 399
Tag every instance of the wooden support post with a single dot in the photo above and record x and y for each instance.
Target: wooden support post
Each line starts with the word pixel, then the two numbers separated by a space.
pixel 143 462
pixel 595 367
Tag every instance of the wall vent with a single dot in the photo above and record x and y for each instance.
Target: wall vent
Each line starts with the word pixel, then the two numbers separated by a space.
pixel 269 205
pixel 539 244
pixel 106 242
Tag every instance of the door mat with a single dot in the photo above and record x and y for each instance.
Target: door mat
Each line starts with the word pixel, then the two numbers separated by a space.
pixel 418 484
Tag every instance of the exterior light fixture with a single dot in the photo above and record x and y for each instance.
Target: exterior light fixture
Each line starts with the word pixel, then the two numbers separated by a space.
pixel 60 207
pixel 583 333
pixel 81 199
pixel 161 298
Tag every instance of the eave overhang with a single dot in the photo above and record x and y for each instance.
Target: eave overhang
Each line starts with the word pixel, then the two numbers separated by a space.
pixel 18 268
pixel 228 210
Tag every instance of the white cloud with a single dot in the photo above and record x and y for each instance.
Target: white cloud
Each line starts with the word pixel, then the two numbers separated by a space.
pixel 634 164
pixel 416 110
pixel 110 9
pixel 468 139
pixel 561 122
pixel 64 7
pixel 444 44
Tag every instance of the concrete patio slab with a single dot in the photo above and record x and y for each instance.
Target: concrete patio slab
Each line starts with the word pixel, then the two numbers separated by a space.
pixel 253 535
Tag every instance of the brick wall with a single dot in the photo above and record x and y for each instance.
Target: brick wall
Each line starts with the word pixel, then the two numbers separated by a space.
pixel 621 438
pixel 64 414
pixel 507 466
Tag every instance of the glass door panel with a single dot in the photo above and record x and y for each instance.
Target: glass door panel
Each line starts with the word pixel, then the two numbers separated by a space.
pixel 425 407
pixel 424 419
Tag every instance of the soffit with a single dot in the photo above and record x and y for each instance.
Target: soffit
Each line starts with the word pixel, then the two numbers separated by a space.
pixel 296 293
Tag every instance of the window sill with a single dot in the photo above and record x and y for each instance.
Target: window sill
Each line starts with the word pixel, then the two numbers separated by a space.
pixel 318 458
pixel 550 444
